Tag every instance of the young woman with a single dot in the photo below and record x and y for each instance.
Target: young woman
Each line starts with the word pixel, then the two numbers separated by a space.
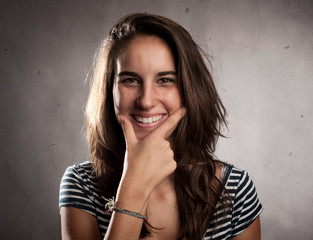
pixel 153 118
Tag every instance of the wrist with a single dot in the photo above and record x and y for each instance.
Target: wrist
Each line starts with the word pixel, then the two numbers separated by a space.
pixel 133 199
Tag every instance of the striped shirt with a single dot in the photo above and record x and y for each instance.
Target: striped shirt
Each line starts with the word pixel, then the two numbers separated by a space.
pixel 79 189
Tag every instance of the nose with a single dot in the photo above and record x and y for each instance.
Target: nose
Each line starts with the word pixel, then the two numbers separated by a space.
pixel 147 98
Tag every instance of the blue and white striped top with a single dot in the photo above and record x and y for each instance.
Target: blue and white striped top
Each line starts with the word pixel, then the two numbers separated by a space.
pixel 79 189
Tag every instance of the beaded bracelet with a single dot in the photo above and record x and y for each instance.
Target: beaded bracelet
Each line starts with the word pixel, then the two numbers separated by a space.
pixel 111 206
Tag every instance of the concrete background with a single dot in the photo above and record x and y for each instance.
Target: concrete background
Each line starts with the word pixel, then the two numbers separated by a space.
pixel 262 55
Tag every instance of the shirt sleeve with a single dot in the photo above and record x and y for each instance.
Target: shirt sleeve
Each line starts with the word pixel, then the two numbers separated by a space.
pixel 247 206
pixel 75 190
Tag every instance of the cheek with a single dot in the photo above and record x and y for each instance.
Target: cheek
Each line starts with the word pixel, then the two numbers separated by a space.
pixel 116 98
pixel 174 100
pixel 123 99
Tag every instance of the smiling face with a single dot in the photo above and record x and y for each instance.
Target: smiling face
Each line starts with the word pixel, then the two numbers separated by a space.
pixel 145 87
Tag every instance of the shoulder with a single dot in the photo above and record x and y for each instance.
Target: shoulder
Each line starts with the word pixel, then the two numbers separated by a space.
pixel 244 208
pixel 238 184
pixel 234 178
pixel 245 201
pixel 245 205
pixel 79 186
pixel 79 190
pixel 80 174
pixel 80 169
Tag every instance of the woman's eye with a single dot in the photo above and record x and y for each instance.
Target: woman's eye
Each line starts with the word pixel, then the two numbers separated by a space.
pixel 130 81
pixel 166 80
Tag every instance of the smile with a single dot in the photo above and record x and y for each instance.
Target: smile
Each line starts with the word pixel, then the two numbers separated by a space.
pixel 147 120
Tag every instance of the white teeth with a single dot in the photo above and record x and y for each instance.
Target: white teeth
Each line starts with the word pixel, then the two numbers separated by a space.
pixel 148 119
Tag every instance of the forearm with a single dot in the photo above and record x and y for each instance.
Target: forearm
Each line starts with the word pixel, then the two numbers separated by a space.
pixel 122 225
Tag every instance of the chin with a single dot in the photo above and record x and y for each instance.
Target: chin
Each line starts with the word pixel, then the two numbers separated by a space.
pixel 141 135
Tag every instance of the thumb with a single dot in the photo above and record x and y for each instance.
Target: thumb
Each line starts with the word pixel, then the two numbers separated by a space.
pixel 128 130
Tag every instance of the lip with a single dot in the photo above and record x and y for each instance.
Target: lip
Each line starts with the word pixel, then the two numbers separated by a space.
pixel 147 120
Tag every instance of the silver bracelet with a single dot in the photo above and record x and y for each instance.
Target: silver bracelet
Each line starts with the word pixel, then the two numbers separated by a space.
pixel 111 206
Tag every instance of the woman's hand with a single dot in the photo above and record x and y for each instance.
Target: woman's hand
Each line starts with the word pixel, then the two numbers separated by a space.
pixel 147 161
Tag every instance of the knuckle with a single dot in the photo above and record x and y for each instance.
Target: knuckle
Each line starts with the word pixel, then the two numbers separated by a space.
pixel 172 165
pixel 165 145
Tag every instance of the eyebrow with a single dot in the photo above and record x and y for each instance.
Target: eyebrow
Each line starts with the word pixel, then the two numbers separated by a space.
pixel 127 73
pixel 167 73
pixel 133 74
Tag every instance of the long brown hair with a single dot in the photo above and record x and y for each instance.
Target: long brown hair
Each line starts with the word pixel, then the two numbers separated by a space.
pixel 194 140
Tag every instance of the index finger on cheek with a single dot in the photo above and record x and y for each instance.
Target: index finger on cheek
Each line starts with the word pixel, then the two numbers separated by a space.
pixel 168 127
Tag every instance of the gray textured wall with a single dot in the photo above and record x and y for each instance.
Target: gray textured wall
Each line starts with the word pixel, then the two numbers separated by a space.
pixel 262 54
